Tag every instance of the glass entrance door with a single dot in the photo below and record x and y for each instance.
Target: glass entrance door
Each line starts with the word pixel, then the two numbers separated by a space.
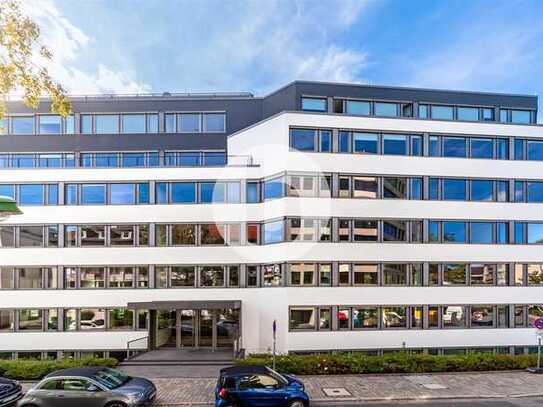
pixel 187 334
pixel 205 327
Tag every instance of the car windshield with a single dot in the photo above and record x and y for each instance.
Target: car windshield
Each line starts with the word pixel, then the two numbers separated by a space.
pixel 110 378
pixel 277 376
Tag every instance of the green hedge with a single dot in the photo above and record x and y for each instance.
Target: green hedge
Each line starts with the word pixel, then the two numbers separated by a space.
pixel 36 369
pixel 354 363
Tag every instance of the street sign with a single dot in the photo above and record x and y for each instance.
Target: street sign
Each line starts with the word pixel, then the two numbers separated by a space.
pixel 538 323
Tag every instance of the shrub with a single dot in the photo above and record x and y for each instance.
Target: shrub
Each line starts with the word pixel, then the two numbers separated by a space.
pixel 344 363
pixel 36 369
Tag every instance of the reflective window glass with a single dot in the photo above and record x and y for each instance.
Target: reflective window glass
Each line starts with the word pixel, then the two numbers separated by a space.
pixel 22 124
pixel 50 124
pixel 534 191
pixel 302 139
pixel 519 149
pixel 454 147
pixel 453 316
pixel 502 191
pixel 344 142
pixel 184 192
pixel 434 147
pixel 356 107
pixel 122 194
pixel 502 233
pixel 133 160
pixel 189 122
pixel 31 194
pixel 106 123
pixel 325 137
pixel 468 113
pixel 169 123
pixel 212 192
pixel 273 232
pixel 395 188
pixel 161 192
pixel 302 318
pixel 252 192
pixel 535 233
pixel 520 116
pixel 86 124
pixel 233 192
pixel 454 232
pixel 93 194
pixel 454 274
pixel 488 114
pixel 481 148
pixel 394 317
pixel 416 188
pixel 416 145
pixel 365 143
pixel 395 230
pixel 454 189
pixel 133 123
pixel 534 150
pixel 433 185
pixel 482 190
pixel 442 112
pixel 214 122
pixel 394 274
pixel 273 188
pixel 394 144
pixel 152 123
pixel 385 109
pixel 423 111
pixel 314 104
pixel 502 149
pixel 481 232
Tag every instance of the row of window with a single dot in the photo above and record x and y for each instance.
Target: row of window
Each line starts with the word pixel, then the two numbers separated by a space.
pixel 425 111
pixel 370 317
pixel 114 159
pixel 63 354
pixel 324 140
pixel 81 319
pixel 308 274
pixel 127 123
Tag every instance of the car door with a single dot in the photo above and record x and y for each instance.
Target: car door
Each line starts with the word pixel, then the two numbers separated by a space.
pixel 260 390
pixel 46 392
pixel 78 392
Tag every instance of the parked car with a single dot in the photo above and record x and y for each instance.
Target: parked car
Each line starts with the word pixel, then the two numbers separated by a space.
pixel 10 392
pixel 252 386
pixel 90 387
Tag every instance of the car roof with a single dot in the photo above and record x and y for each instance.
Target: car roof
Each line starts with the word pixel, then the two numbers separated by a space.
pixel 75 371
pixel 240 370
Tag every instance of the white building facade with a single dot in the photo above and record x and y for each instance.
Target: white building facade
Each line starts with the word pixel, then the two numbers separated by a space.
pixel 357 222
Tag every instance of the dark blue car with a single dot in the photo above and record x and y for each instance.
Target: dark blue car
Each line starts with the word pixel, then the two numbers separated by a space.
pixel 258 386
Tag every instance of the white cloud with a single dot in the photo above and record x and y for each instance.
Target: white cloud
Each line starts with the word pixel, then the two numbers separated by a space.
pixel 68 42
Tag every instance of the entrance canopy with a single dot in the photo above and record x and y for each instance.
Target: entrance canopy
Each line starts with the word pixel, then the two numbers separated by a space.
pixel 195 305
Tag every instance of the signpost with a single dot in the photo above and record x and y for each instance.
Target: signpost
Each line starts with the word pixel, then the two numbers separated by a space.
pixel 274 340
pixel 538 325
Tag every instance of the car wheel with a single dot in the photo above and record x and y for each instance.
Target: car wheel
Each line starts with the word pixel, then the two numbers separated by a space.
pixel 296 403
pixel 116 404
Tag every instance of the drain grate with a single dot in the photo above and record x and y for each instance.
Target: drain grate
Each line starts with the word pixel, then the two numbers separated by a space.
pixel 336 392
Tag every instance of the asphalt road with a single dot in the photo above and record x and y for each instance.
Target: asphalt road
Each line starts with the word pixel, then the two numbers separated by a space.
pixel 518 402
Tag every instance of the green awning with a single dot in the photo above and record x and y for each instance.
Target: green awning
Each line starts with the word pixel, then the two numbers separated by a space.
pixel 8 207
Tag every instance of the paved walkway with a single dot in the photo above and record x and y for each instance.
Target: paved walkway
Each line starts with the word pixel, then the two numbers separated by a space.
pixel 513 385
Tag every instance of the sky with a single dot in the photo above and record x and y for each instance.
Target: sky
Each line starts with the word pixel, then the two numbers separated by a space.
pixel 137 46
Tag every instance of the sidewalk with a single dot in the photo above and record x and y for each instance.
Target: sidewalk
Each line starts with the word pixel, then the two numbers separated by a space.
pixel 199 391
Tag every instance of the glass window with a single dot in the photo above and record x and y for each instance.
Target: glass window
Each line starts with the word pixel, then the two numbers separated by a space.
pixel 182 276
pixel 252 192
pixel 29 278
pixel 365 230
pixel 152 123
pixel 394 144
pixel 416 188
pixel 93 235
pixel 121 235
pixel 365 143
pixel 302 318
pixel 520 116
pixel 519 191
pixel 502 149
pixel 535 191
pixel 106 124
pixel 365 187
pixel 394 274
pixel 535 233
pixel 534 150
pixel 169 123
pixel 133 160
pixel 214 122
pixel 30 236
pixel 52 194
pixel 189 122
pixel 482 190
pixel 22 125
pixel 454 147
pixel 252 233
pixel 344 142
pixel 416 146
pixel 212 276
pixel 161 192
pixel 365 274
pixel 416 231
pixel 423 111
pixel 468 113
pixel 122 194
pixel 233 192
pixel 50 124
pixel 502 233
pixel 92 319
pixel 93 194
pixel 365 318
pixel 453 316
pixel 212 192
pixel 212 234
pixel 386 109
pixel 31 194
pixel 520 229
pixel 434 147
pixel 121 319
pixel 454 189
pixel 395 188
pixel 271 275
pixel 133 123
pixel 519 149
pixel 121 277
pixel 344 318
pixel 183 234
pixel 30 320
pixel 454 232
pixel 86 124
pixel 302 139
pixel 481 148
pixel 314 104
pixel 356 107
pixel 535 274
pixel 6 278
pixel 394 317
pixel 185 192
pixel 344 230
pixel 454 274
pixel 442 112
pixel 273 188
pixel 482 316
pixel 325 274
pixel 481 232
pixel 534 312
pixel 395 230
pixel 502 191
pixel 433 231
pixel 488 114
pixel 325 143
pixel 325 230
pixel 274 232
pixel 106 160
pixel 92 277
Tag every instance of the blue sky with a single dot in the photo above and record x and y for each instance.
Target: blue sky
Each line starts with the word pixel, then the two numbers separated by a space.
pixel 224 45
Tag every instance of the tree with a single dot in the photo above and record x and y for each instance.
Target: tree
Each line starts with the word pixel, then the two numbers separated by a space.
pixel 19 48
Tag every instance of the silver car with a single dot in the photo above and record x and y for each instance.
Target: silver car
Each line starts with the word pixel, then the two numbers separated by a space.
pixel 90 387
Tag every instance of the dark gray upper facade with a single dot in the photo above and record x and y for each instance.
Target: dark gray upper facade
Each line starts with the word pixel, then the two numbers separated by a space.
pixel 242 110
